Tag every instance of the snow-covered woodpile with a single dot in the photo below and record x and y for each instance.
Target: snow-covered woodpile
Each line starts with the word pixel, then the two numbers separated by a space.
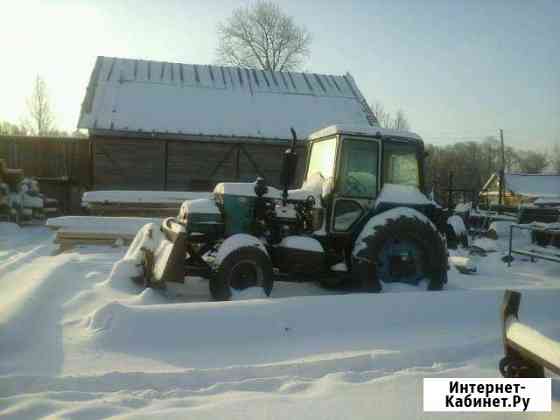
pixel 91 230
pixel 21 200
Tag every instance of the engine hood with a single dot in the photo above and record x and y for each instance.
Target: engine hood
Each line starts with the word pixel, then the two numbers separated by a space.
pixel 198 206
pixel 247 189
pixel 406 195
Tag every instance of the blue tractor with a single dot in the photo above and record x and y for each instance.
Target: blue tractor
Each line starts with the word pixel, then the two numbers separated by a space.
pixel 360 219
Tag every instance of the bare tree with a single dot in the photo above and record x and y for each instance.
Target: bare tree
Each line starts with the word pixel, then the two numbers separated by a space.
pixel 532 162
pixel 41 118
pixel 400 122
pixel 9 129
pixel 385 119
pixel 474 162
pixel 262 36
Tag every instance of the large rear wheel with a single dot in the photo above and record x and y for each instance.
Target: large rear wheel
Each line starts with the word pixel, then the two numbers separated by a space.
pixel 404 249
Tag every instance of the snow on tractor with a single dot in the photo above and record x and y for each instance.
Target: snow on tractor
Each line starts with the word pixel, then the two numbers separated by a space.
pixel 359 218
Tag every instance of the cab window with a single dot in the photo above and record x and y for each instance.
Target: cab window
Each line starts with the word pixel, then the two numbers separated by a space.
pixel 322 158
pixel 400 164
pixel 358 169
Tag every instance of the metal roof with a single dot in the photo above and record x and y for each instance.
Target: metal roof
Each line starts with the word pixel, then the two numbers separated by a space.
pixel 126 95
pixel 533 185
pixel 528 185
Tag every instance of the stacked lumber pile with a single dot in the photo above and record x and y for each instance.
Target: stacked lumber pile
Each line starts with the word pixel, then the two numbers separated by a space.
pixel 11 177
pixel 92 230
pixel 137 203
pixel 20 198
pixel 9 180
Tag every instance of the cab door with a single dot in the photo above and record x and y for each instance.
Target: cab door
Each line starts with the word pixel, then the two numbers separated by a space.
pixel 357 183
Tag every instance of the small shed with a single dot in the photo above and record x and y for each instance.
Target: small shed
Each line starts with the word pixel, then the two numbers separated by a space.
pixel 521 188
pixel 170 126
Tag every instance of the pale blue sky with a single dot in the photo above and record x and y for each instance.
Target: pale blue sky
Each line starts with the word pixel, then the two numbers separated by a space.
pixel 460 69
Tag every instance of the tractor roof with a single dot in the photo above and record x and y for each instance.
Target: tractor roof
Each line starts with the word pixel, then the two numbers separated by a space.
pixel 364 131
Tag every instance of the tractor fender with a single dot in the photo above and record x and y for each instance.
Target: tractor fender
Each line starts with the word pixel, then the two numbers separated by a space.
pixel 381 219
pixel 235 242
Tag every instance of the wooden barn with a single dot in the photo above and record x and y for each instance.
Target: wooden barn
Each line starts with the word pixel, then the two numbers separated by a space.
pixel 170 126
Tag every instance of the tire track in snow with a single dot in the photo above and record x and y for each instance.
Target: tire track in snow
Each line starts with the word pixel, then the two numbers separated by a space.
pixel 290 376
pixel 32 297
pixel 17 260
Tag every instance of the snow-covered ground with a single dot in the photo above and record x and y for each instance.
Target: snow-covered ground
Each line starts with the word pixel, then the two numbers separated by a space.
pixel 80 340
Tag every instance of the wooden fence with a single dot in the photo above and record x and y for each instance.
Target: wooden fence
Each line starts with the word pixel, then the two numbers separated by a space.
pixel 66 167
pixel 61 165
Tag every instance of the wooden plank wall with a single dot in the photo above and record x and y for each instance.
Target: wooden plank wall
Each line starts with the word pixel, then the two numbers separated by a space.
pixel 128 164
pixel 47 156
pixel 191 165
pixel 66 167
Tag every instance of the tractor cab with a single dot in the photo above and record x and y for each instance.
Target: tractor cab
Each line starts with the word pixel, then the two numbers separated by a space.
pixel 355 163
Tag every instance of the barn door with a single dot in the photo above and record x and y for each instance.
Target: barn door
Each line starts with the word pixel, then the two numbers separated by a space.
pixel 124 164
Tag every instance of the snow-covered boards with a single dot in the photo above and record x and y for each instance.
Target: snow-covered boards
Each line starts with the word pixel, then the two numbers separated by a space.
pixel 137 203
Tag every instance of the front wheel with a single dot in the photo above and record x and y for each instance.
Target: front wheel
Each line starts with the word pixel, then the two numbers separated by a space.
pixel 241 269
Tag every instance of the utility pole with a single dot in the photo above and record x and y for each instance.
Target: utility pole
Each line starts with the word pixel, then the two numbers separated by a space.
pixel 502 172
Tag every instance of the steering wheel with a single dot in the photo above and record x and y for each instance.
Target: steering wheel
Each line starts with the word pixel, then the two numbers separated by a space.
pixel 355 186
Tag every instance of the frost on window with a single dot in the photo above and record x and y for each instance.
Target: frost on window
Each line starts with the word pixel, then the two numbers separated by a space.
pixel 400 164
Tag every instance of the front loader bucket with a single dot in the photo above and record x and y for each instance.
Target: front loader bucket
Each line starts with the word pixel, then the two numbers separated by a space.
pixel 167 261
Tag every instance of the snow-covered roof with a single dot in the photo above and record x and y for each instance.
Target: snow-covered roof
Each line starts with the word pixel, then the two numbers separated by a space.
pixel 363 130
pixel 126 95
pixel 533 185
